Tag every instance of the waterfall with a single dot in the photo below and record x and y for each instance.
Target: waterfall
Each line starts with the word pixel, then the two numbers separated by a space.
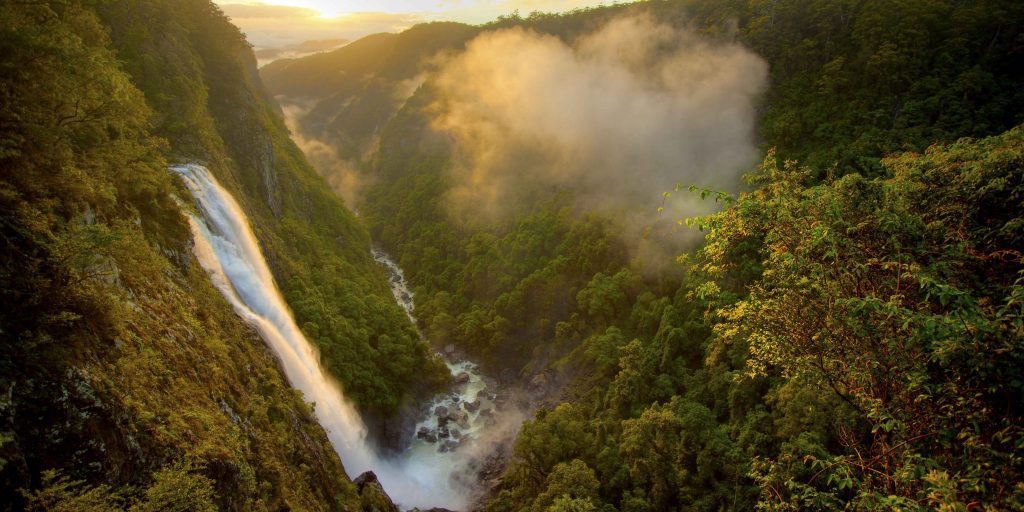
pixel 227 249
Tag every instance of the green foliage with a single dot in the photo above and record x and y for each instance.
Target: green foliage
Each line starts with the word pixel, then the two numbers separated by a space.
pixel 855 81
pixel 62 495
pixel 895 294
pixel 570 486
pixel 175 488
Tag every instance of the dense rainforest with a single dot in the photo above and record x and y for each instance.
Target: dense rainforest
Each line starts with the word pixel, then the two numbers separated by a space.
pixel 840 328
pixel 845 334
pixel 128 381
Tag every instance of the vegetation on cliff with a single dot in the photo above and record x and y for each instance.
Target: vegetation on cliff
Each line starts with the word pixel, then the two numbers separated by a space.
pixel 127 381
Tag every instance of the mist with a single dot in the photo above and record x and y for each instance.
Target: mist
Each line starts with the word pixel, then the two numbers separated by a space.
pixel 341 174
pixel 619 117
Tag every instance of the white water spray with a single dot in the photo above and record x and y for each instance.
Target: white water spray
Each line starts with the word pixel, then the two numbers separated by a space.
pixel 227 249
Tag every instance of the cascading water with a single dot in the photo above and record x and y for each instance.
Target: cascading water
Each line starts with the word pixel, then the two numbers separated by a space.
pixel 227 249
pixel 454 419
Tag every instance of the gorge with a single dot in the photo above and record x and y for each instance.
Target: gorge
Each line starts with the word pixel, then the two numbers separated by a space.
pixel 527 265
pixel 427 474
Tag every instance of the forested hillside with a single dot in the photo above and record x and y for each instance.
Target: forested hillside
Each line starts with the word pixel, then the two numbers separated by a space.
pixel 848 335
pixel 127 381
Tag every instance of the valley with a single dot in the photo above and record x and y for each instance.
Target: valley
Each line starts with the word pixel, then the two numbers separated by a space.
pixel 662 255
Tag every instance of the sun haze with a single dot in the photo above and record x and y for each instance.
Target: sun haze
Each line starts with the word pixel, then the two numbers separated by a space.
pixel 283 23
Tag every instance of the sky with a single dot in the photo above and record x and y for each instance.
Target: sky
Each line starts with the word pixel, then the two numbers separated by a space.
pixel 280 23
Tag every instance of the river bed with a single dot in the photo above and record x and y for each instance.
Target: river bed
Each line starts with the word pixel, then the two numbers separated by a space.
pixel 456 418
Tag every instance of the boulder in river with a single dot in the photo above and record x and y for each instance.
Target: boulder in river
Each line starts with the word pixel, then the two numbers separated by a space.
pixel 422 432
pixel 461 378
pixel 458 416
pixel 456 434
pixel 471 406
pixel 443 433
pixel 440 411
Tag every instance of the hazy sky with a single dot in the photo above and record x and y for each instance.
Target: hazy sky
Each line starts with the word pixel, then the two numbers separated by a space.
pixel 283 22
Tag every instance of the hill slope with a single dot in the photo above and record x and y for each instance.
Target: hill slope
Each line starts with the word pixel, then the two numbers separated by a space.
pixel 123 369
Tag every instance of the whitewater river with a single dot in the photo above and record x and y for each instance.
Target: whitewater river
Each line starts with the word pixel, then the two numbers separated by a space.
pixel 454 419
pixel 436 470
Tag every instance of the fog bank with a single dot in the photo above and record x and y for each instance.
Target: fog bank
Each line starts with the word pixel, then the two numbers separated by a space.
pixel 620 116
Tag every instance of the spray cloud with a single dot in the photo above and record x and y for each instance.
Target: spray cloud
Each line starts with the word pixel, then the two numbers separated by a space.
pixel 620 116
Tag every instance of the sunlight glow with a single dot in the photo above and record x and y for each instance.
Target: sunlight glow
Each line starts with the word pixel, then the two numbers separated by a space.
pixel 325 8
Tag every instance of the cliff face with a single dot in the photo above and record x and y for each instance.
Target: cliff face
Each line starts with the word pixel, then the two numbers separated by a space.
pixel 126 381
pixel 199 75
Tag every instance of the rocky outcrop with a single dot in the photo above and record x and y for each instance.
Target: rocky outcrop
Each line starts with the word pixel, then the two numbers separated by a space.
pixel 372 494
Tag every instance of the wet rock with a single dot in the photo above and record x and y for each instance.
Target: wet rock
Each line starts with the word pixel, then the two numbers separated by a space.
pixel 456 434
pixel 461 378
pixel 443 433
pixel 365 478
pixel 449 446
pixel 441 411
pixel 471 406
pixel 459 417
pixel 423 432
pixel 442 421
pixel 427 435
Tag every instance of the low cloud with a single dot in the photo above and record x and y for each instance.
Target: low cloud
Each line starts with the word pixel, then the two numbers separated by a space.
pixel 619 117
pixel 341 174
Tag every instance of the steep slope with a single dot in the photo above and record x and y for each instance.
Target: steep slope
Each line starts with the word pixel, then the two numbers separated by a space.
pixel 127 379
pixel 199 74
